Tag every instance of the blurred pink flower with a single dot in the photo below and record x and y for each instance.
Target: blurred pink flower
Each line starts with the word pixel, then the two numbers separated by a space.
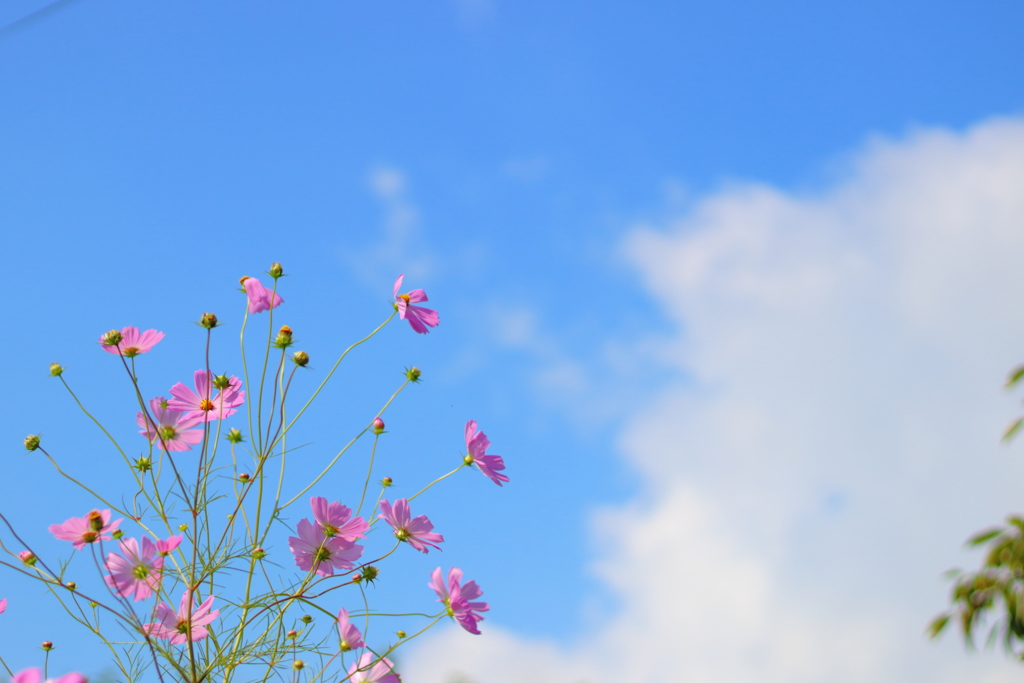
pixel 3 605
pixel 415 532
pixel 166 546
pixel 457 598
pixel 381 672
pixel 260 298
pixel 335 520
pixel 419 318
pixel 35 675
pixel 93 527
pixel 173 431
pixel 136 571
pixel 206 403
pixel 132 342
pixel 177 626
pixel 313 550
pixel 351 638
pixel 477 443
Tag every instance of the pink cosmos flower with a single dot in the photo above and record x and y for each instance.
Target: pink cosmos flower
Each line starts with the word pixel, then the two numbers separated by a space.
pixel 203 403
pixel 173 431
pixel 35 675
pixel 93 527
pixel 260 298
pixel 167 546
pixel 3 606
pixel 132 342
pixel 335 520
pixel 135 572
pixel 177 626
pixel 312 549
pixel 457 598
pixel 477 443
pixel 419 318
pixel 415 532
pixel 381 672
pixel 351 638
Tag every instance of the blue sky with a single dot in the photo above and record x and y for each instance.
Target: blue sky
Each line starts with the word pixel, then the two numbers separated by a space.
pixel 501 154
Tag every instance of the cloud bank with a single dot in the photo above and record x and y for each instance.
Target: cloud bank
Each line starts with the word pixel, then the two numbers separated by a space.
pixel 831 439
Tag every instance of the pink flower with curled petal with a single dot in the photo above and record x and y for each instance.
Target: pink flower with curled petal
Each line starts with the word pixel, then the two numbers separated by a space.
pixel 93 527
pixel 366 671
pixel 167 546
pixel 458 598
pixel 419 318
pixel 315 551
pixel 204 403
pixel 336 521
pixel 415 532
pixel 477 444
pixel 137 571
pixel 172 430
pixel 351 638
pixel 132 342
pixel 183 625
pixel 260 298
pixel 35 675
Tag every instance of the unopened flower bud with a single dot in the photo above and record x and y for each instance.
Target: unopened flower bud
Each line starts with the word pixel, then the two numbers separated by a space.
pixel 117 534
pixel 276 270
pixel 235 436
pixel 259 553
pixel 28 557
pixel 387 481
pixel 400 634
pixel 32 442
pixel 183 527
pixel 112 338
pixel 357 578
pixel 413 374
pixel 56 370
pixel 143 464
pixel 93 604
pixel 209 321
pixel 284 337
pixel 378 425
pixel 95 520
pixel 243 477
pixel 306 618
pixel 293 633
pixel 298 665
pixel 47 645
pixel 301 358
pixel 71 585
pixel 370 573
pixel 221 381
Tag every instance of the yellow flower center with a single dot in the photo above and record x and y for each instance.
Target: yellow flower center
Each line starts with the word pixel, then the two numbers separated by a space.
pixel 206 404
pixel 404 297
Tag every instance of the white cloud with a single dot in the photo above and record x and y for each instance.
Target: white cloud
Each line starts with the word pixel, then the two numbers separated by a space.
pixel 836 438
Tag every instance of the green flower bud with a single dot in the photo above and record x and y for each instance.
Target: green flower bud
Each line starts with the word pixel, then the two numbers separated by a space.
pixel 301 358
pixel 387 481
pixel 47 645
pixel 32 442
pixel 284 337
pixel 276 270
pixel 112 338
pixel 183 527
pixel 235 436
pixel 259 553
pixel 221 381
pixel 117 534
pixel 370 573
pixel 209 321
pixel 306 618
pixel 71 585
pixel 400 634
pixel 293 634
pixel 56 370
pixel 298 665
pixel 143 464
pixel 244 477
pixel 413 374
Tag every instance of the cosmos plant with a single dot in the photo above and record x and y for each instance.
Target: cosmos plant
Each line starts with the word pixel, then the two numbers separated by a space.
pixel 212 567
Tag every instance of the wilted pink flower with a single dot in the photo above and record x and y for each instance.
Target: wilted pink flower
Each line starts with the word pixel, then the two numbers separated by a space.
pixel 415 532
pixel 35 675
pixel 206 403
pixel 93 527
pixel 381 672
pixel 173 431
pixel 313 550
pixel 456 598
pixel 351 638
pixel 477 443
pixel 166 546
pixel 177 625
pixel 336 521
pixel 132 342
pixel 136 571
pixel 419 318
pixel 260 298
